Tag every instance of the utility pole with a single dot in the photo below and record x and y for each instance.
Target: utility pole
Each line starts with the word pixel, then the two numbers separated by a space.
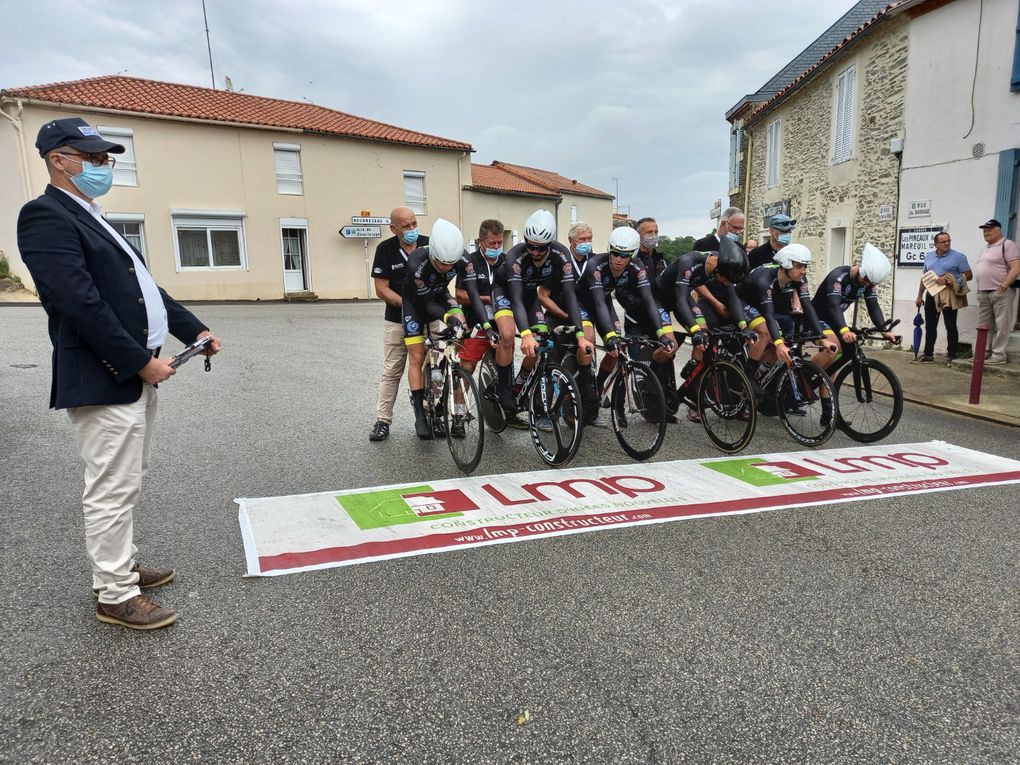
pixel 212 74
pixel 616 198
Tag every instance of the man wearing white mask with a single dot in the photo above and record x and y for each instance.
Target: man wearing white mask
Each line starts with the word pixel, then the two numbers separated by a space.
pixel 731 226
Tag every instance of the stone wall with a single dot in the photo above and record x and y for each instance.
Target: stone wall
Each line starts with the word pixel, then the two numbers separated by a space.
pixel 849 195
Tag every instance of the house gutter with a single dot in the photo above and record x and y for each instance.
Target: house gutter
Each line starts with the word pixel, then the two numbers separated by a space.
pixel 19 128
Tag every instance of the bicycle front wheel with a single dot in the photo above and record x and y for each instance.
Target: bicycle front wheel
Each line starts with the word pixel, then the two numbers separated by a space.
pixel 804 398
pixel 870 401
pixel 554 409
pixel 465 428
pixel 727 406
pixel 495 417
pixel 638 409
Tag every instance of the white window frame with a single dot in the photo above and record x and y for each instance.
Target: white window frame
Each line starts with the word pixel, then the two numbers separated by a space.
pixel 736 158
pixel 130 218
pixel 301 223
pixel 772 154
pixel 573 214
pixel 288 181
pixel 843 120
pixel 125 172
pixel 211 220
pixel 417 204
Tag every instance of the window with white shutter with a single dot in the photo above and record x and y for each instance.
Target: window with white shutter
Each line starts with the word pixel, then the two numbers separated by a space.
pixel 125 172
pixel 131 227
pixel 573 214
pixel 414 191
pixel 736 158
pixel 288 168
pixel 772 155
pixel 843 134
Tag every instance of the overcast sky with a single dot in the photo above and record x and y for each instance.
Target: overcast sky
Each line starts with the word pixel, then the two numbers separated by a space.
pixel 593 89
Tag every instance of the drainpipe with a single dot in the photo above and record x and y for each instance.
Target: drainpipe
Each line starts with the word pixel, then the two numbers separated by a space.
pixel 747 170
pixel 22 156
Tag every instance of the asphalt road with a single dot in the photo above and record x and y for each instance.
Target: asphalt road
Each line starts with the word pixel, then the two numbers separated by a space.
pixel 881 631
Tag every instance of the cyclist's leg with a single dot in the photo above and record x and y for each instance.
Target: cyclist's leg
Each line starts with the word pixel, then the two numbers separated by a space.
pixel 504 355
pixel 414 339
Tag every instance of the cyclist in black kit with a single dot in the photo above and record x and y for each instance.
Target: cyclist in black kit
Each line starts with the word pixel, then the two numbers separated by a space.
pixel 846 285
pixel 474 281
pixel 426 298
pixel 536 261
pixel 765 293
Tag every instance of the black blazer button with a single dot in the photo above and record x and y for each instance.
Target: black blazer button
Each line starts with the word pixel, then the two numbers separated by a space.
pixel 141 300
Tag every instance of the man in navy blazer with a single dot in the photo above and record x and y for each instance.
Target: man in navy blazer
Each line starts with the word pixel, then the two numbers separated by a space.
pixel 107 321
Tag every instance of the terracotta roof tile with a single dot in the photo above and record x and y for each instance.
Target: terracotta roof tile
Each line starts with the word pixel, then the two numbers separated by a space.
pixel 132 94
pixel 498 179
pixel 552 180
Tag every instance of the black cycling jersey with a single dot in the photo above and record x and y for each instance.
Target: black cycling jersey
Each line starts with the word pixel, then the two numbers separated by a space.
pixel 758 290
pixel 426 294
pixel 653 264
pixel 600 283
pixel 516 283
pixel 580 289
pixel 835 294
pixel 687 273
pixel 476 273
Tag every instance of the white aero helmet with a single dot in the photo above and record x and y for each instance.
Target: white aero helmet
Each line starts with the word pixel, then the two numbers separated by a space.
pixel 875 266
pixel 793 253
pixel 540 227
pixel 624 239
pixel 446 242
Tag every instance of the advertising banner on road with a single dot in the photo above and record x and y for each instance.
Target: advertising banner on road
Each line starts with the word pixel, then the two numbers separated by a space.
pixel 283 535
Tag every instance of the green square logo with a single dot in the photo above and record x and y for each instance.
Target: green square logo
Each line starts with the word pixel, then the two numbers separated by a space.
pixel 757 472
pixel 380 509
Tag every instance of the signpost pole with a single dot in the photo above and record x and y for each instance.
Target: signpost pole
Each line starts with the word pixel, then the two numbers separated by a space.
pixel 368 273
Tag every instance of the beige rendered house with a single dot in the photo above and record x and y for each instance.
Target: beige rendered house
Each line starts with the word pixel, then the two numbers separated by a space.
pixel 232 196
pixel 510 193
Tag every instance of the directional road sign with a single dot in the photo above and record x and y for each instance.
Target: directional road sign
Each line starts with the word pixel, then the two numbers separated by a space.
pixel 360 232
pixel 369 220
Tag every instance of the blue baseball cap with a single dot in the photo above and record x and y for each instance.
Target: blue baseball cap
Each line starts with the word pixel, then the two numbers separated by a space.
pixel 782 223
pixel 76 133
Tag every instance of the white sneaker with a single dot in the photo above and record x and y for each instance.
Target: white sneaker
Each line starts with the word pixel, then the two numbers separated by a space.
pixel 995 360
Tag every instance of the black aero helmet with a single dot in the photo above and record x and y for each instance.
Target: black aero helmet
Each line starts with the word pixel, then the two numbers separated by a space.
pixel 732 261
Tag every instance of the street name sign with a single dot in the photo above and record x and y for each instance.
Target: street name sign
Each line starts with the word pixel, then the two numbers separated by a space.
pixel 370 220
pixel 360 232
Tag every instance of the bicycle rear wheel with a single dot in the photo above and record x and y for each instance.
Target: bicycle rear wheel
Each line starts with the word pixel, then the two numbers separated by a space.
pixel 727 406
pixel 554 409
pixel 465 428
pixel 870 401
pixel 804 399
pixel 495 417
pixel 638 409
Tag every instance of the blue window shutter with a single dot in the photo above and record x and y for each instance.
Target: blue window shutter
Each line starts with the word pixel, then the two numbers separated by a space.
pixel 1014 83
pixel 1006 191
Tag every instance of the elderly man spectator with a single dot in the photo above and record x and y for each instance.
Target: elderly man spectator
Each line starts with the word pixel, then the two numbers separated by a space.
pixel 731 225
pixel 108 322
pixel 953 271
pixel 780 235
pixel 997 269
pixel 388 274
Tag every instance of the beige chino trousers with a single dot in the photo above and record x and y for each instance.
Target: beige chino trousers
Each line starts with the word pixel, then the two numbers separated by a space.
pixel 114 443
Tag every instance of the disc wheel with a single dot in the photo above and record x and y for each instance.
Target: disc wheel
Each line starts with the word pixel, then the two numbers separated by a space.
pixel 495 417
pixel 554 411
pixel 870 401
pixel 638 409
pixel 800 399
pixel 465 427
pixel 727 406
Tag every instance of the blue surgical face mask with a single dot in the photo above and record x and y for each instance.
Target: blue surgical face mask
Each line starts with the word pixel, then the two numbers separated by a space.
pixel 583 248
pixel 409 237
pixel 493 252
pixel 732 237
pixel 93 181
pixel 785 238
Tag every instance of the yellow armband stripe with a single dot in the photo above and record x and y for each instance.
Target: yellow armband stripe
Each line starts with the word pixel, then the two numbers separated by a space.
pixel 503 312
pixel 662 331
pixel 757 321
pixel 525 332
pixel 414 340
pixel 780 341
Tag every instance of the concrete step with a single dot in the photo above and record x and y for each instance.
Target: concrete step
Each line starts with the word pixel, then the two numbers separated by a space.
pixel 1009 370
pixel 1013 346
pixel 304 296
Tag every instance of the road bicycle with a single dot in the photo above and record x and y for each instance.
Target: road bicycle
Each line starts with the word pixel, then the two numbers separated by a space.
pixel 451 399
pixel 637 403
pixel 797 395
pixel 718 389
pixel 549 395
pixel 869 394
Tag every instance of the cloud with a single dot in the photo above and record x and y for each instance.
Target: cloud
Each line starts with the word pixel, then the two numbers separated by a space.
pixel 631 89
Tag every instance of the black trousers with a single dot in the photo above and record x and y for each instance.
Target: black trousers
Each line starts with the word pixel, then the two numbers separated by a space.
pixel 931 328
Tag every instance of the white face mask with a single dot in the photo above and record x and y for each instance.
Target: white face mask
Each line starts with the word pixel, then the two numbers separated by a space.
pixel 649 242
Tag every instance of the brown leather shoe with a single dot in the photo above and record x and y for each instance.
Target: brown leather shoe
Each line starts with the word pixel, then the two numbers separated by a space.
pixel 149 577
pixel 137 613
